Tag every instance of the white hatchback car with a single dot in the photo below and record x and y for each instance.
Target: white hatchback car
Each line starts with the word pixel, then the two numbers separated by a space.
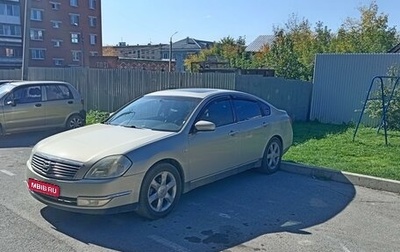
pixel 144 156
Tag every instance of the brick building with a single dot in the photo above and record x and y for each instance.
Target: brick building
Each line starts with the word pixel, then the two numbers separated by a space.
pixel 115 62
pixel 60 33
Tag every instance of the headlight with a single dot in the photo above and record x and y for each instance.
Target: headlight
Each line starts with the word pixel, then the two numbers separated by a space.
pixel 109 167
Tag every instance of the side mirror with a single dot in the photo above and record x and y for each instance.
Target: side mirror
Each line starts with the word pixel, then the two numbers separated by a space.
pixel 11 103
pixel 204 126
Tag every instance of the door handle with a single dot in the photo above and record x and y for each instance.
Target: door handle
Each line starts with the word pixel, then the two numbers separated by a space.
pixel 70 102
pixel 265 124
pixel 232 133
pixel 38 105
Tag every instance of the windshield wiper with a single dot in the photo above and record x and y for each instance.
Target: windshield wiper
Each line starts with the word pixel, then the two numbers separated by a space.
pixel 125 113
pixel 131 126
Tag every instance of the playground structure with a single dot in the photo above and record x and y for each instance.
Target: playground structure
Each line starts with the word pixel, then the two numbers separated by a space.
pixel 384 98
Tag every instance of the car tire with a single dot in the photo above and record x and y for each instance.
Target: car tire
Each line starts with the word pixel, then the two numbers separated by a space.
pixel 160 191
pixel 272 156
pixel 74 121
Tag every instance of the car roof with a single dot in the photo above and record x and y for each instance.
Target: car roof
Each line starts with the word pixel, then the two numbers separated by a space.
pixel 24 83
pixel 201 93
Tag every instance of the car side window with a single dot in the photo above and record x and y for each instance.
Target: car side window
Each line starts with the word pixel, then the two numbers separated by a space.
pixel 219 112
pixel 26 95
pixel 58 92
pixel 246 109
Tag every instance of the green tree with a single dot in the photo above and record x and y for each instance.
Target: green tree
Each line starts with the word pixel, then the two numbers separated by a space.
pixel 293 50
pixel 370 34
pixel 227 49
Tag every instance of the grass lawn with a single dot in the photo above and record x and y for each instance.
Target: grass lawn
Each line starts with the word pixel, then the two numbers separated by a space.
pixel 332 146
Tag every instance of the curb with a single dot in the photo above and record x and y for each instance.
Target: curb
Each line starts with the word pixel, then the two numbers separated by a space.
pixel 343 177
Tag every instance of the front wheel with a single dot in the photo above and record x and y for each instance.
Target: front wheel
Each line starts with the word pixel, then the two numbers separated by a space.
pixel 272 156
pixel 160 191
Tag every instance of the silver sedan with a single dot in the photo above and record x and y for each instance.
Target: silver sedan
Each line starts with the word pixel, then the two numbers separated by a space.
pixel 149 152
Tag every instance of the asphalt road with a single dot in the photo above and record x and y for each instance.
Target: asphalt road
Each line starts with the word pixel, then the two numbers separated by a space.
pixel 247 212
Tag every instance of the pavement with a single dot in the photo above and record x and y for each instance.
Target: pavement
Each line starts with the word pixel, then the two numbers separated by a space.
pixel 343 177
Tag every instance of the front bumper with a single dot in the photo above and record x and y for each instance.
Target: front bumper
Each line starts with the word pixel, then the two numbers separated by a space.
pixel 118 195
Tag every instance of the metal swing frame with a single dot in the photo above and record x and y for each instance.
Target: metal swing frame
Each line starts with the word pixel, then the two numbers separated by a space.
pixel 385 105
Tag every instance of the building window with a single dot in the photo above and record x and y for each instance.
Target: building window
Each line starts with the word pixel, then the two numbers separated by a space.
pixel 5 30
pixel 36 14
pixel 75 38
pixel 10 30
pixel 36 34
pixel 57 42
pixel 56 24
pixel 74 18
pixel 38 54
pixel 9 9
pixel 94 53
pixel 92 4
pixel 73 3
pixel 93 39
pixel 55 5
pixel 76 55
pixel 92 21
pixel 10 52
pixel 58 62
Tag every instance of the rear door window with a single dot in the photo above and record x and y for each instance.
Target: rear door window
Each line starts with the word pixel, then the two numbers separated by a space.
pixel 246 109
pixel 58 92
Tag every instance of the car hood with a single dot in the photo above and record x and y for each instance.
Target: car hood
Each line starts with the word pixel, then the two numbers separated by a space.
pixel 97 141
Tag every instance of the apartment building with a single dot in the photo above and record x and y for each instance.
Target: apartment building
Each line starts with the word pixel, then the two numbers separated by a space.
pixel 10 34
pixel 60 33
pixel 145 52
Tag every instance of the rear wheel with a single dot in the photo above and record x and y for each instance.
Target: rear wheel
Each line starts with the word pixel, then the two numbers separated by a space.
pixel 74 121
pixel 160 191
pixel 272 156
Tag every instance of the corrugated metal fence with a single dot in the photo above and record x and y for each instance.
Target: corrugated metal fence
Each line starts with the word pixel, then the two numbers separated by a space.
pixel 341 84
pixel 108 90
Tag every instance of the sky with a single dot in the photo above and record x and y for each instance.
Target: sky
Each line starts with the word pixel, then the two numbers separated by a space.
pixel 155 21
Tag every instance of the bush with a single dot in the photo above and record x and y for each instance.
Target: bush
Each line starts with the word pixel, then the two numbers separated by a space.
pixel 95 116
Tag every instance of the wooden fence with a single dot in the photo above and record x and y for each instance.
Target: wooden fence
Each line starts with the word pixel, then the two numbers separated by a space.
pixel 107 90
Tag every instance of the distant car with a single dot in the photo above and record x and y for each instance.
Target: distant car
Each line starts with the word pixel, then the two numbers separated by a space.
pixel 155 148
pixel 39 105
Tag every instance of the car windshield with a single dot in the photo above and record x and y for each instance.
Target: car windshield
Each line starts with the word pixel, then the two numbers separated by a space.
pixel 164 113
pixel 5 88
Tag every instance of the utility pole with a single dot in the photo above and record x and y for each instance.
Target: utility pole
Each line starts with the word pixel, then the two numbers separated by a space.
pixel 25 40
pixel 170 52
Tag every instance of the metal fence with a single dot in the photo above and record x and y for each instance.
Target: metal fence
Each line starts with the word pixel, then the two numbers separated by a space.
pixel 109 89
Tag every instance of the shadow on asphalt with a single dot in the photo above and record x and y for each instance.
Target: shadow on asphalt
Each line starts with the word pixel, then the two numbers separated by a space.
pixel 28 139
pixel 215 217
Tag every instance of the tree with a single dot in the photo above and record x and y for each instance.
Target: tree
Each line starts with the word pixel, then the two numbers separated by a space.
pixel 292 52
pixel 227 48
pixel 283 58
pixel 369 34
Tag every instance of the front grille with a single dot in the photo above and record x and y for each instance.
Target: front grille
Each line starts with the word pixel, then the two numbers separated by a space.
pixel 55 168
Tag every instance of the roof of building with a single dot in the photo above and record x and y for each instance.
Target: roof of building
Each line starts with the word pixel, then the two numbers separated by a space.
pixel 191 44
pixel 395 49
pixel 259 42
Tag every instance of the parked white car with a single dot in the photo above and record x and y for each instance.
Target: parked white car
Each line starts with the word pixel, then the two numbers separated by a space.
pixel 144 156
